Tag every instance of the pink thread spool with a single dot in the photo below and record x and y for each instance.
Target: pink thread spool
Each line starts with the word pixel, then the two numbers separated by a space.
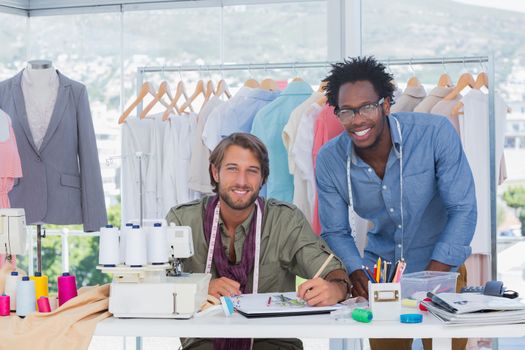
pixel 43 304
pixel 5 305
pixel 67 288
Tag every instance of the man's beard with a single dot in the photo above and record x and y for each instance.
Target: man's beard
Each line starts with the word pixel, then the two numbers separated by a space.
pixel 225 197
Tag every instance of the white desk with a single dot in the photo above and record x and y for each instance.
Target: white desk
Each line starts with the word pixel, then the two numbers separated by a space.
pixel 319 326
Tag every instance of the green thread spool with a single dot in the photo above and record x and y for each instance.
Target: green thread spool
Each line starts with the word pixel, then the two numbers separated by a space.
pixel 362 315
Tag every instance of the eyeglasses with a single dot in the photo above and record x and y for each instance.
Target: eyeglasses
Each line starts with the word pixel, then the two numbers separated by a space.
pixel 367 111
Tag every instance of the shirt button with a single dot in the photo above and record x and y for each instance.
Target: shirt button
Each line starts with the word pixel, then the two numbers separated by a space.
pixel 391 210
pixel 38 159
pixel 398 226
pixel 384 187
pixel 399 245
pixel 369 170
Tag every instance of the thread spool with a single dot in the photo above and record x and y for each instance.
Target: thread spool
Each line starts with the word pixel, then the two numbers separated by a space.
pixel 43 304
pixel 362 315
pixel 41 285
pixel 67 288
pixel 136 248
pixel 109 249
pixel 122 244
pixel 157 245
pixel 5 305
pixel 25 297
pixel 10 287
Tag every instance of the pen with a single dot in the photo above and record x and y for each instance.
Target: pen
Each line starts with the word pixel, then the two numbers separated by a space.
pixel 321 269
pixel 269 301
pixel 393 272
pixel 378 272
pixel 367 273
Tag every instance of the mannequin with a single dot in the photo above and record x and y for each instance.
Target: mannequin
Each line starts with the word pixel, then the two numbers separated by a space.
pixel 40 88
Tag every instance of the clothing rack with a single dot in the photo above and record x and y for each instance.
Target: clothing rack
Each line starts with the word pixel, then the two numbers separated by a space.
pixel 489 60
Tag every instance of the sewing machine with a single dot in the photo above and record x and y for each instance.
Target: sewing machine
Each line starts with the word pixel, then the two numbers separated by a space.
pixel 13 234
pixel 159 291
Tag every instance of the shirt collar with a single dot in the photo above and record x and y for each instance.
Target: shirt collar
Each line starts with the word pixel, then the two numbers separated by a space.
pixel 265 95
pixel 298 88
pixel 242 228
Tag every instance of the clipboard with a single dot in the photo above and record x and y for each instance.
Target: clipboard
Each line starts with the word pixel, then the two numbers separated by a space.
pixel 280 305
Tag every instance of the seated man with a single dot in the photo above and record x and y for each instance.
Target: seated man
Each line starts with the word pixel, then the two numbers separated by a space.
pixel 257 245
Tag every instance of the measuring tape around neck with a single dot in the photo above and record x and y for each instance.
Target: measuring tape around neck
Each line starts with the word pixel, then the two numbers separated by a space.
pixel 258 226
pixel 352 215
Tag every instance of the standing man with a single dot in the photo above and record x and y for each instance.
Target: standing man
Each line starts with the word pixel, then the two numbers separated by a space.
pixel 409 177
pixel 260 245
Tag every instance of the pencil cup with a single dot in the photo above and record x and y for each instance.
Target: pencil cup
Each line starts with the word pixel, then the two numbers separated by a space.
pixel 385 300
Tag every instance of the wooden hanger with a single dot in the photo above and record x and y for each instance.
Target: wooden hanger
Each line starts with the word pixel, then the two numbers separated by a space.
pixel 268 84
pixel 210 90
pixel 222 88
pixel 445 81
pixel 181 91
pixel 199 89
pixel 144 90
pixel 297 79
pixel 163 88
pixel 413 82
pixel 251 83
pixel 464 80
pixel 482 80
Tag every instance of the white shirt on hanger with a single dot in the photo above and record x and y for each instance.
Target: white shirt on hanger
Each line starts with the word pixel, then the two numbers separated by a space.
pixel 199 178
pixel 211 134
pixel 140 136
pixel 301 151
pixel 176 163
pixel 475 139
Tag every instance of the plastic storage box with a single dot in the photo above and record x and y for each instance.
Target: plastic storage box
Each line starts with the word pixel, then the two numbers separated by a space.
pixel 416 285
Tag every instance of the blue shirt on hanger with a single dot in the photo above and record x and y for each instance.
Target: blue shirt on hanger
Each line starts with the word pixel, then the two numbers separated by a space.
pixel 268 125
pixel 239 117
pixel 439 200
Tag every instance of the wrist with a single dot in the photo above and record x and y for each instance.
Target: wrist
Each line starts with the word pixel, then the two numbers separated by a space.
pixel 344 286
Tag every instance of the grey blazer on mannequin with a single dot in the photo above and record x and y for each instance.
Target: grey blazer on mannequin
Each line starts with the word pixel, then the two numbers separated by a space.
pixel 62 183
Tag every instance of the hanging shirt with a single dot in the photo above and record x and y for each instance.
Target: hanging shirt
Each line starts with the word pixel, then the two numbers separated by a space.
pixel 474 137
pixel 10 166
pixel 411 97
pixel 211 134
pixel 290 129
pixel 268 125
pixel 199 178
pixel 301 150
pixel 327 126
pixel 176 163
pixel 144 136
pixel 238 116
pixel 438 196
pixel 444 107
pixel 434 96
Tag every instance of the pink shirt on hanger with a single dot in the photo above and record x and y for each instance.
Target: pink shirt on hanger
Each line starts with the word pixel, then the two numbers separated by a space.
pixel 10 166
pixel 327 126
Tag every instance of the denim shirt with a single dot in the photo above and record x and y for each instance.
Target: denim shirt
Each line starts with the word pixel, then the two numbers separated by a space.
pixel 439 200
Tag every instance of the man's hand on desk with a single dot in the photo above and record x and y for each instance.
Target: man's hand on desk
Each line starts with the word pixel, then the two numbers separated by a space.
pixel 438 266
pixel 359 284
pixel 223 287
pixel 320 292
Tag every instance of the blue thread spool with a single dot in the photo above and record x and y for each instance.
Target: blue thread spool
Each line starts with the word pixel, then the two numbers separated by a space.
pixel 25 297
